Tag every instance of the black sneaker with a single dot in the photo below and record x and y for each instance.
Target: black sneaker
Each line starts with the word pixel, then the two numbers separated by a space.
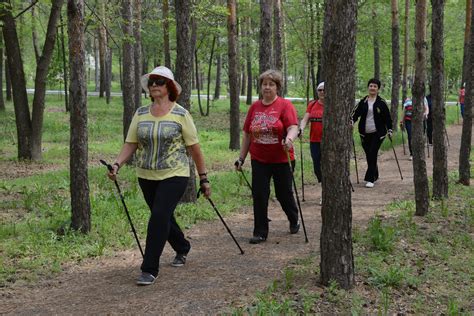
pixel 146 279
pixel 257 239
pixel 179 260
pixel 294 228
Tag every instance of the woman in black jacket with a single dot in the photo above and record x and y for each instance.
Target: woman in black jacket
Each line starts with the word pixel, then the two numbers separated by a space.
pixel 375 123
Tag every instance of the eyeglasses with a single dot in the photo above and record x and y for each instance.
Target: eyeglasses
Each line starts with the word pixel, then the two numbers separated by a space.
pixel 320 90
pixel 157 81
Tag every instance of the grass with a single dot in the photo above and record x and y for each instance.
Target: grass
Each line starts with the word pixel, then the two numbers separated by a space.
pixel 404 265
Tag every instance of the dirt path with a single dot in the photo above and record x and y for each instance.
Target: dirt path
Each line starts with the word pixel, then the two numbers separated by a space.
pixel 216 276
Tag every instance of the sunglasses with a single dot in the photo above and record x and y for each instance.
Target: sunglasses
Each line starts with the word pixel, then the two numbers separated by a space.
pixel 157 81
pixel 320 90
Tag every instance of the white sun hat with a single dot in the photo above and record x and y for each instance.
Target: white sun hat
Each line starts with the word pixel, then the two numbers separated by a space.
pixel 161 71
pixel 320 85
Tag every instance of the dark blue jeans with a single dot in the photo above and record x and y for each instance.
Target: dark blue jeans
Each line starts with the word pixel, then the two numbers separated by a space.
pixel 316 155
pixel 408 129
pixel 371 144
pixel 282 180
pixel 162 197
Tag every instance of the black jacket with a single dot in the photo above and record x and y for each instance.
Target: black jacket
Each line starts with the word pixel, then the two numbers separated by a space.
pixel 382 119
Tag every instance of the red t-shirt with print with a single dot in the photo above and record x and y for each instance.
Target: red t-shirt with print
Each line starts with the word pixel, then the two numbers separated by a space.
pixel 315 110
pixel 267 125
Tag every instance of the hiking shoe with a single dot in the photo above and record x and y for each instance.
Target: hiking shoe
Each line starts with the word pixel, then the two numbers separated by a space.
pixel 179 260
pixel 369 185
pixel 146 279
pixel 411 158
pixel 320 201
pixel 257 239
pixel 294 228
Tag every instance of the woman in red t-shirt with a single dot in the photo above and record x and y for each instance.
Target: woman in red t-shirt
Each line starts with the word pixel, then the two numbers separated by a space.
pixel 314 114
pixel 269 131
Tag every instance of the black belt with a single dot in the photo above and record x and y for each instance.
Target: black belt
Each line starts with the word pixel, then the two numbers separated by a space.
pixel 316 119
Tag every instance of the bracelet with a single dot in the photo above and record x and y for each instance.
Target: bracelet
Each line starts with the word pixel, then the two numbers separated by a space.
pixel 202 174
pixel 116 164
pixel 202 181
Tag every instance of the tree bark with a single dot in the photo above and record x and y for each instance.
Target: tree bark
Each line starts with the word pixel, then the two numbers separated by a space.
pixel 211 59
pixel 234 118
pixel 166 34
pixel 2 101
pixel 65 74
pixel 466 136
pixel 128 81
pixel 277 35
pixel 440 150
pixel 18 83
pixel 248 58
pixel 265 46
pixel 420 176
pixel 339 42
pixel 137 53
pixel 465 63
pixel 184 73
pixel 102 54
pixel 405 52
pixel 41 80
pixel 395 65
pixel 217 88
pixel 80 201
pixel 34 33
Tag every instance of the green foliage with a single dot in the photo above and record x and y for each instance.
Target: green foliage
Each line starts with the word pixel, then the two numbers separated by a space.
pixel 382 237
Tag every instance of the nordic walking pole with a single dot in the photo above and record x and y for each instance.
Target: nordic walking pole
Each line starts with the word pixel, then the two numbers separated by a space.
pixel 297 197
pixel 355 160
pixel 222 220
pixel 396 159
pixel 124 206
pixel 302 173
pixel 243 175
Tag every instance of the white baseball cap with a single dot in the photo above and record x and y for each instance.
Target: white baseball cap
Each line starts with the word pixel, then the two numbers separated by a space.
pixel 161 71
pixel 321 85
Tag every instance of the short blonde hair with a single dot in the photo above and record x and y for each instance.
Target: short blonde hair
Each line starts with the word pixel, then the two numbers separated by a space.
pixel 275 76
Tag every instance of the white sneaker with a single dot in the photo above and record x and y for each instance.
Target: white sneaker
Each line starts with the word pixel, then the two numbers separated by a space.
pixel 369 185
pixel 320 201
pixel 411 158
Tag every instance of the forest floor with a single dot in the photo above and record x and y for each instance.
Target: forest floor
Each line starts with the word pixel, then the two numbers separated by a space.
pixel 216 276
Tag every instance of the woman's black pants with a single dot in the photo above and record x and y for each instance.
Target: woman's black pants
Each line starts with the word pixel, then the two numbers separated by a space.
pixel 282 180
pixel 162 197
pixel 371 144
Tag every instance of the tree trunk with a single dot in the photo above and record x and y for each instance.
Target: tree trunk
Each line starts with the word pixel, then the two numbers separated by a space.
pixel 18 83
pixel 395 65
pixel 2 101
pixel 312 47
pixel 128 83
pixel 232 53
pixel 166 34
pixel 8 82
pixel 137 53
pixel 217 90
pixel 108 73
pixel 102 47
pixel 65 74
pixel 184 73
pixel 265 46
pixel 184 51
pixel 80 202
pixel 440 150
pixel 337 262
pixel 96 66
pixel 277 35
pixel 420 176
pixel 248 59
pixel 465 63
pixel 34 34
pixel 41 80
pixel 405 53
pixel 211 59
pixel 376 45
pixel 466 137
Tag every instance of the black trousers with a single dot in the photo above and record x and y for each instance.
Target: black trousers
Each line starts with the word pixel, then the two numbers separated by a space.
pixel 282 180
pixel 371 144
pixel 316 155
pixel 162 198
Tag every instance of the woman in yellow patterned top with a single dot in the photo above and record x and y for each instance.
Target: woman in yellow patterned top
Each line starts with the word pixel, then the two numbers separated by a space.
pixel 161 134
